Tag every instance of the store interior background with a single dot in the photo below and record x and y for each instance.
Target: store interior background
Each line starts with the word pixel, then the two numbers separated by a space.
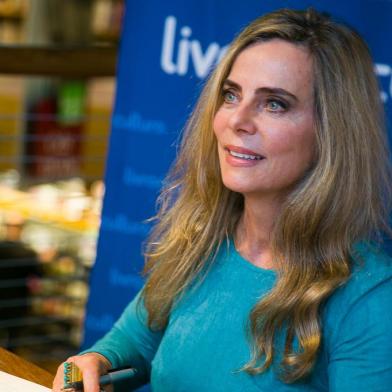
pixel 55 109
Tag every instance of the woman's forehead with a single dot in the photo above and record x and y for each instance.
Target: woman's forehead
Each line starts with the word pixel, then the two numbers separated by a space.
pixel 275 63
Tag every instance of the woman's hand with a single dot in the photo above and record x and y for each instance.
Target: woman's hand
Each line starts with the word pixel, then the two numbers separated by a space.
pixel 92 366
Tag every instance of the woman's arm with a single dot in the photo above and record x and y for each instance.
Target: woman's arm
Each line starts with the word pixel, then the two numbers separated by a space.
pixel 129 343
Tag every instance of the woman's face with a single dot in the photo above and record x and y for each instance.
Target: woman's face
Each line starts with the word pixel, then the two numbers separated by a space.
pixel 265 126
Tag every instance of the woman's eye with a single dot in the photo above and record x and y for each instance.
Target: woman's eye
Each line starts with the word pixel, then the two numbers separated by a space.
pixel 229 97
pixel 275 105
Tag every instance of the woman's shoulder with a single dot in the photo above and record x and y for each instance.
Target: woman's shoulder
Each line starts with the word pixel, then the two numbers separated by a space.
pixel 357 320
pixel 368 289
pixel 371 266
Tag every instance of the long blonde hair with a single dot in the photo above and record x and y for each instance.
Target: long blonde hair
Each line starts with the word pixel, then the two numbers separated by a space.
pixel 343 199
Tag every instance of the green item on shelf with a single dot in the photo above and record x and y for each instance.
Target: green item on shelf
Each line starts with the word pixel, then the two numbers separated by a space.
pixel 71 102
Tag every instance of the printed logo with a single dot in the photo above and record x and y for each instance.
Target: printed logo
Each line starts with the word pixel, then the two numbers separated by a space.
pixel 132 178
pixel 122 224
pixel 101 323
pixel 136 123
pixel 178 52
pixel 384 72
pixel 176 60
pixel 119 278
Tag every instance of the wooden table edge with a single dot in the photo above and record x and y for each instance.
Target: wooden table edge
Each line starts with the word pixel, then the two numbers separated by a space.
pixel 17 366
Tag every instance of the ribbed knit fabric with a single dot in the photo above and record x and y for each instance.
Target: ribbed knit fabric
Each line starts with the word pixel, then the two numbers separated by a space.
pixel 205 343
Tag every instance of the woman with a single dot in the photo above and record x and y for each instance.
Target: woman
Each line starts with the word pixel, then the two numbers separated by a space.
pixel 263 270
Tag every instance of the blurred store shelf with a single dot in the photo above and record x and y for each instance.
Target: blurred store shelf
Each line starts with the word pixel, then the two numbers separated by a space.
pixel 67 62
pixel 61 213
pixel 58 79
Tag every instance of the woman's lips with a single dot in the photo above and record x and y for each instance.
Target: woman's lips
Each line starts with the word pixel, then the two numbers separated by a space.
pixel 243 157
pixel 244 153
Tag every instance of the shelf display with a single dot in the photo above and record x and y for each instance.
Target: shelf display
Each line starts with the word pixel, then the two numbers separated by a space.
pixel 58 223
pixel 53 141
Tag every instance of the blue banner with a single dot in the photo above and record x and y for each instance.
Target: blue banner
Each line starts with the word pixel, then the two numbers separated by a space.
pixel 167 50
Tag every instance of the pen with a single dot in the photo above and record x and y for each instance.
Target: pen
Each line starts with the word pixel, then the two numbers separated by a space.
pixel 109 378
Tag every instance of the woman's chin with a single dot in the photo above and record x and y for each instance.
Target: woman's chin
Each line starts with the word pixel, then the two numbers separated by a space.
pixel 243 187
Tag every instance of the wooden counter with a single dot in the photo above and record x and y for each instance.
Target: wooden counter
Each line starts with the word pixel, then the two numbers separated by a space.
pixel 19 367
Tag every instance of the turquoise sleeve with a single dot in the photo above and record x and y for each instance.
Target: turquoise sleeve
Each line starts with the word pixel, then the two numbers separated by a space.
pixel 130 342
pixel 360 349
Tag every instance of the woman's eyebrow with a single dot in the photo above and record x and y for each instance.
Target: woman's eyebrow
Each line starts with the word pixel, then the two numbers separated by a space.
pixel 269 90
pixel 276 91
pixel 230 83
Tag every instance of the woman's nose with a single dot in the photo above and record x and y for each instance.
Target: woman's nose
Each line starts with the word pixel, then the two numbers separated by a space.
pixel 242 119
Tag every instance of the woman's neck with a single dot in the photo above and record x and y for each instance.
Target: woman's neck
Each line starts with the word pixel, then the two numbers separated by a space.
pixel 254 231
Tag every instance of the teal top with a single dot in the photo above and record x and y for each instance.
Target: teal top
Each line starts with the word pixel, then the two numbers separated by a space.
pixel 205 342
